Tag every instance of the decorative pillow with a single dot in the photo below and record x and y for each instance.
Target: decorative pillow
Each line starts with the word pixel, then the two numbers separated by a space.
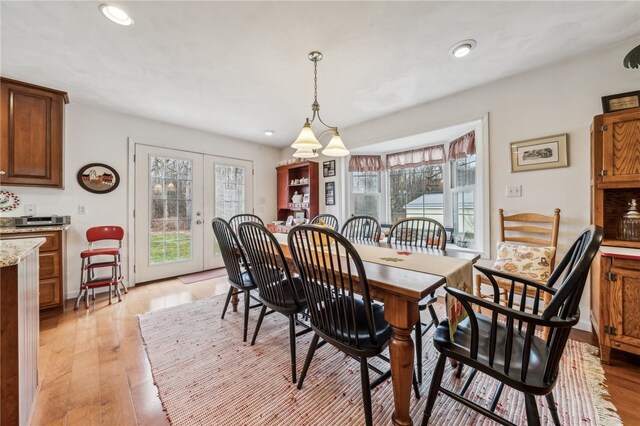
pixel 525 261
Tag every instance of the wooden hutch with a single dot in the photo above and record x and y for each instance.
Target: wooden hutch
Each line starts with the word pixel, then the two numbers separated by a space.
pixel 298 178
pixel 615 273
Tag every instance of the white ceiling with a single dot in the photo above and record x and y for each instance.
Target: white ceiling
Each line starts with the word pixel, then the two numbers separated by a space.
pixel 238 68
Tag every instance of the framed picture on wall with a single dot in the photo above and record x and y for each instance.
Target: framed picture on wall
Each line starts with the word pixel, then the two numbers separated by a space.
pixel 621 101
pixel 329 168
pixel 98 178
pixel 542 153
pixel 330 193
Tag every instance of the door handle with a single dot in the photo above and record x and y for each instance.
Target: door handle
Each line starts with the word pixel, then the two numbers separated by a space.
pixel 199 222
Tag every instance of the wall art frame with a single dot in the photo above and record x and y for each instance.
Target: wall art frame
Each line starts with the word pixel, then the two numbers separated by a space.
pixel 98 178
pixel 329 168
pixel 330 193
pixel 542 153
pixel 621 101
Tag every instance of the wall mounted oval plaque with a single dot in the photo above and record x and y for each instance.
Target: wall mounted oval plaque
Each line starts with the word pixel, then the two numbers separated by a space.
pixel 98 178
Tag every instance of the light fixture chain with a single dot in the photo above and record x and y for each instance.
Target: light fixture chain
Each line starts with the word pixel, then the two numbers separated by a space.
pixel 315 81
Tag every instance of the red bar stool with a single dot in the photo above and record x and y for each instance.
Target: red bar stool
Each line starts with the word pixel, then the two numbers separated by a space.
pixel 101 258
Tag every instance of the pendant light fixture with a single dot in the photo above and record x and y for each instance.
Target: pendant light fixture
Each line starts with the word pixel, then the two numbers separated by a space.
pixel 307 144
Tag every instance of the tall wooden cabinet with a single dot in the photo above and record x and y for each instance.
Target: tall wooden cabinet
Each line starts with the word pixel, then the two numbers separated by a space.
pixel 31 134
pixel 615 273
pixel 301 178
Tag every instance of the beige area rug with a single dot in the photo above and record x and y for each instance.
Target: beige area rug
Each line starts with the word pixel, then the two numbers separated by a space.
pixel 206 375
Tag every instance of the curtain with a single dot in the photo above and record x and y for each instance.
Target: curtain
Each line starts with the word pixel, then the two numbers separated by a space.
pixel 416 157
pixel 463 146
pixel 365 163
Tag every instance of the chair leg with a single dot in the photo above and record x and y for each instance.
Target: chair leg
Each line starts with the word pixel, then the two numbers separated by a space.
pixel 226 303
pixel 77 305
pixel 434 317
pixel 533 417
pixel 418 343
pixel 307 361
pixel 554 410
pixel 292 346
pixel 260 318
pixel 247 301
pixel 366 392
pixel 434 388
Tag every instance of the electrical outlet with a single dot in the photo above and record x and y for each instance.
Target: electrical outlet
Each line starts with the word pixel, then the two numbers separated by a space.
pixel 514 191
pixel 29 209
pixel 82 209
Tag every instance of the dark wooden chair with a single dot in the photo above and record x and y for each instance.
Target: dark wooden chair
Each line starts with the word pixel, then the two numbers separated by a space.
pixel 327 263
pixel 503 344
pixel 278 289
pixel 326 219
pixel 240 280
pixel 428 233
pixel 366 228
pixel 243 217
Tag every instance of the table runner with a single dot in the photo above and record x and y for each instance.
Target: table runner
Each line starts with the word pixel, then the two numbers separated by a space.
pixel 458 273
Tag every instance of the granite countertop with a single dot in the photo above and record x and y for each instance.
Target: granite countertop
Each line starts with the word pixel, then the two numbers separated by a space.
pixel 13 251
pixel 26 229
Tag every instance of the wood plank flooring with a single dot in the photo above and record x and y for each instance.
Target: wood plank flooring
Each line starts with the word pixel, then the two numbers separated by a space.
pixel 94 370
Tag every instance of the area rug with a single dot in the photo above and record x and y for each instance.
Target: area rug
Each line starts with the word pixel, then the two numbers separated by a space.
pixel 206 375
pixel 204 275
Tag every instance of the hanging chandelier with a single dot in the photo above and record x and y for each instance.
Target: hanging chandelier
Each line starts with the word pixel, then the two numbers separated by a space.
pixel 307 144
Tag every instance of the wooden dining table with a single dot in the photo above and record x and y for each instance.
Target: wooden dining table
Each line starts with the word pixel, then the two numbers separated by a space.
pixel 400 289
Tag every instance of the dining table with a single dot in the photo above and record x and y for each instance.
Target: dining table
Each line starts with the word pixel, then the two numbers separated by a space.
pixel 400 285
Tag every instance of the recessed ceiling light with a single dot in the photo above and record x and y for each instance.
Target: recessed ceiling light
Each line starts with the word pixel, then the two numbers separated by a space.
pixel 462 48
pixel 115 14
pixel 269 132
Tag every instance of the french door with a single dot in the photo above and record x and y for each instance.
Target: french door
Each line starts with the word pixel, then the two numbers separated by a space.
pixel 177 193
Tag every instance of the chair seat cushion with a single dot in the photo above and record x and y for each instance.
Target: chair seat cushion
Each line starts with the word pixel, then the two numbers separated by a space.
pixel 289 302
pixel 459 350
pixel 100 252
pixel 382 328
pixel 529 262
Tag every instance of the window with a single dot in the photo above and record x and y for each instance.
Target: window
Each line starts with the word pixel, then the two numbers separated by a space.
pixel 365 187
pixel 437 181
pixel 416 192
pixel 463 180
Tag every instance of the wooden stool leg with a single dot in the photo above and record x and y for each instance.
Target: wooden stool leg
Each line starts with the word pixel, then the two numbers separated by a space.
pixel 478 287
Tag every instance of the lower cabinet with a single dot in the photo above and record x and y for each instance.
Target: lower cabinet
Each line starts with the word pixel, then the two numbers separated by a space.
pixel 617 323
pixel 51 266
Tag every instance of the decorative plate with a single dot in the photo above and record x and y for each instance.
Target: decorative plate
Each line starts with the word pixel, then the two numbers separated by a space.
pixel 8 201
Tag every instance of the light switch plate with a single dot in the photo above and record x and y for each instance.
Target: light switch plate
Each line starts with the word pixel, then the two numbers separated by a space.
pixel 514 191
pixel 82 209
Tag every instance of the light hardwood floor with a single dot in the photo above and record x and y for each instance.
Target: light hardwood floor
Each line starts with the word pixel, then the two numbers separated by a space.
pixel 94 369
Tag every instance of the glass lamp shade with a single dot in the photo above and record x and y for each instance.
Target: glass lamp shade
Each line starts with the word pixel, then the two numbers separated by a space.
pixel 335 148
pixel 306 140
pixel 305 153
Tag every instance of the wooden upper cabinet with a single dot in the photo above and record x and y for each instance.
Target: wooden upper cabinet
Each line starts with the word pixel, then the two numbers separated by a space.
pixel 31 135
pixel 617 137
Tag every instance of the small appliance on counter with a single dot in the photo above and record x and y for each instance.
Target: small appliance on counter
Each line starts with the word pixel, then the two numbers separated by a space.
pixel 25 221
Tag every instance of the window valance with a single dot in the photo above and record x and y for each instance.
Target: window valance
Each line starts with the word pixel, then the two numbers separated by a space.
pixel 463 146
pixel 416 157
pixel 366 163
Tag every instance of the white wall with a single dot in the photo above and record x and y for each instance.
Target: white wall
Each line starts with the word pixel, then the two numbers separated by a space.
pixel 98 135
pixel 559 98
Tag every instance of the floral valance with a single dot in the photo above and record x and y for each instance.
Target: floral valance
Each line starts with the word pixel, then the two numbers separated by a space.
pixel 463 146
pixel 365 163
pixel 416 157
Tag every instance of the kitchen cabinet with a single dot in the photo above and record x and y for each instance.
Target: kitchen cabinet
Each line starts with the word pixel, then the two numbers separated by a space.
pixel 615 272
pixel 301 178
pixel 51 260
pixel 20 324
pixel 31 134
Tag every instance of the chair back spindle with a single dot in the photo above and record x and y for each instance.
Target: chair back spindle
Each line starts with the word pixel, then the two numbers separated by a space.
pixel 419 232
